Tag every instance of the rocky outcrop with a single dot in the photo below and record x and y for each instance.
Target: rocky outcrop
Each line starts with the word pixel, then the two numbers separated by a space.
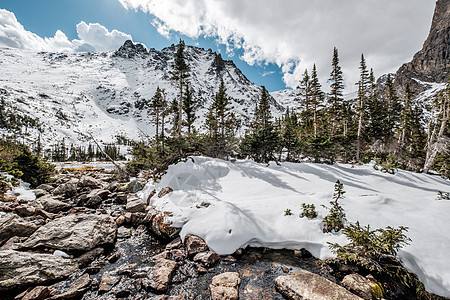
pixel 432 63
pixel 19 269
pixel 131 50
pixel 81 232
pixel 309 286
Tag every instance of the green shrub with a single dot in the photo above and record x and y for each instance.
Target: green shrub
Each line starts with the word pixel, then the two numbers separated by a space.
pixel 309 211
pixel 336 217
pixel 288 212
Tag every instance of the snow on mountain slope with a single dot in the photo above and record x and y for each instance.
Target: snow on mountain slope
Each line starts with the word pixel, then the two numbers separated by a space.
pixel 104 94
pixel 248 200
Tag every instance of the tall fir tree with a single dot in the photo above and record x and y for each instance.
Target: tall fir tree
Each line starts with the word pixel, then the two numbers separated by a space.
pixel 180 74
pixel 336 98
pixel 363 94
pixel 189 107
pixel 316 99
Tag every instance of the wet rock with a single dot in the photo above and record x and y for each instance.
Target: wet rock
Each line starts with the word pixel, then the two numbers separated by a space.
pixel 39 193
pixel 46 187
pixel 38 293
pixel 91 182
pixel 195 244
pixel 165 191
pixel 52 205
pixel 19 269
pixel 161 275
pixel 136 185
pixel 163 229
pixel 306 285
pixel 225 286
pixel 78 288
pixel 177 255
pixel 67 189
pixel 13 225
pixel 85 259
pixel 176 243
pixel 135 204
pixel 107 282
pixel 208 258
pixel 95 197
pixel 81 232
pixel 359 285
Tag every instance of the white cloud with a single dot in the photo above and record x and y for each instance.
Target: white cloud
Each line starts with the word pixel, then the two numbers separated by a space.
pixel 297 33
pixel 92 37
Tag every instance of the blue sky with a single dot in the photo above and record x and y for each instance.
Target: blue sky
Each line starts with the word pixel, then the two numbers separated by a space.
pixel 45 17
pixel 279 39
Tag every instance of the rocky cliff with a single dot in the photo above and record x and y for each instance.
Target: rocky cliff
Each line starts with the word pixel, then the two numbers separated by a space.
pixel 432 63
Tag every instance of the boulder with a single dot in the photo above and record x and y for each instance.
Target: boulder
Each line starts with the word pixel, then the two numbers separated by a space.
pixel 136 185
pixel 161 275
pixel 225 286
pixel 46 187
pixel 208 258
pixel 306 285
pixel 10 244
pixel 19 269
pixel 165 191
pixel 360 285
pixel 13 225
pixel 38 293
pixel 81 232
pixel 107 282
pixel 67 189
pixel 195 244
pixel 95 197
pixel 52 205
pixel 39 193
pixel 163 228
pixel 88 181
pixel 135 204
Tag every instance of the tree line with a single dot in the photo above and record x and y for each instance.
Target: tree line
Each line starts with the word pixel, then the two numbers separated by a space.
pixel 388 125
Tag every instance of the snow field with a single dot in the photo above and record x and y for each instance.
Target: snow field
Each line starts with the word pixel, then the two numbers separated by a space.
pixel 248 200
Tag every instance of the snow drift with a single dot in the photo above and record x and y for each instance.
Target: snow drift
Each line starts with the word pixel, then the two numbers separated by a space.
pixel 235 204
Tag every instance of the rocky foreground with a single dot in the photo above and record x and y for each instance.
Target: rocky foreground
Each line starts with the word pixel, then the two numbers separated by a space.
pixel 87 236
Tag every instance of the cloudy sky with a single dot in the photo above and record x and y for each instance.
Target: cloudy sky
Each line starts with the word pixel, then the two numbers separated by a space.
pixel 273 42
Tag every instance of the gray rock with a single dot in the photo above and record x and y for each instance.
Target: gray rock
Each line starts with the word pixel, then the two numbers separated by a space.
pixel 68 189
pixel 225 286
pixel 46 187
pixel 13 225
pixel 85 259
pixel 10 244
pixel 91 182
pixel 80 232
pixel 39 193
pixel 38 293
pixel 121 198
pixel 19 269
pixel 195 244
pixel 136 185
pixel 95 197
pixel 135 204
pixel 161 275
pixel 208 258
pixel 306 285
pixel 52 205
pixel 107 282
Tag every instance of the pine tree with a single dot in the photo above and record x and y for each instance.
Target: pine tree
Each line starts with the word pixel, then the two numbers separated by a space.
pixel 363 93
pixel 336 93
pixel 262 113
pixel 316 99
pixel 393 109
pixel 305 95
pixel 157 106
pixel 289 134
pixel 406 118
pixel 180 74
pixel 189 108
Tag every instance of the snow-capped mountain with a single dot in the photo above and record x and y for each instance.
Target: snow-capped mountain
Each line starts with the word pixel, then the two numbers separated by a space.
pixel 71 95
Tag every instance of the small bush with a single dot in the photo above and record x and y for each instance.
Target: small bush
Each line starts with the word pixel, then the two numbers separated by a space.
pixel 309 211
pixel 336 218
pixel 288 212
pixel 443 196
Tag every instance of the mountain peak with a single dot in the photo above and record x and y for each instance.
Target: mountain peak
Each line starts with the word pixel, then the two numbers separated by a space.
pixel 131 50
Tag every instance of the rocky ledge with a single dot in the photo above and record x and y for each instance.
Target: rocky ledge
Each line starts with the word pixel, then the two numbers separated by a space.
pixel 87 236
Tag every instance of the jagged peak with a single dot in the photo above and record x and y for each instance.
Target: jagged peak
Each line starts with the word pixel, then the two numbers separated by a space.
pixel 131 50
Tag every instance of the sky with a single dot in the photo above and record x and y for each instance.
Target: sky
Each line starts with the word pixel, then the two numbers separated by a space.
pixel 272 42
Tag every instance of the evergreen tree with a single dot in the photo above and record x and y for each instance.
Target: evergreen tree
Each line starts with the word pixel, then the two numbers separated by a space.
pixel 157 106
pixel 305 94
pixel 392 109
pixel 316 99
pixel 289 133
pixel 180 74
pixel 406 118
pixel 336 93
pixel 262 113
pixel 363 93
pixel 189 107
